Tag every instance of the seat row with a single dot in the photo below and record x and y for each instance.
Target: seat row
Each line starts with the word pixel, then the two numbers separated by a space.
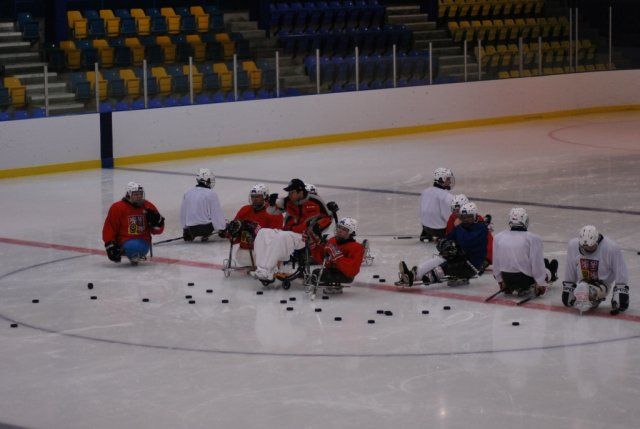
pixel 509 29
pixel 369 41
pixel 552 70
pixel 12 92
pixel 332 15
pixel 124 52
pixel 122 22
pixel 163 81
pixel 483 9
pixel 17 114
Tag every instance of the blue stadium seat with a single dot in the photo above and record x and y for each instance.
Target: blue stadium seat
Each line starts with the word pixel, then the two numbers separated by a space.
pixel 4 116
pixel 20 114
pixel 106 107
pixel 38 112
pixel 137 104
pixel 155 103
pixel 122 105
pixel 202 99
pixel 218 97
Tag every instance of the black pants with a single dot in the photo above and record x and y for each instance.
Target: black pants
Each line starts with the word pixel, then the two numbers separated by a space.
pixel 459 267
pixel 332 275
pixel 517 281
pixel 429 233
pixel 191 232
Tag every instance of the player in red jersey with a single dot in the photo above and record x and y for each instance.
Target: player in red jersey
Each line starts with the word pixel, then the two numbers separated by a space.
pixel 129 224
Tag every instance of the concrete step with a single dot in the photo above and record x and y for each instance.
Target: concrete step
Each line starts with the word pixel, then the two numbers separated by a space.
pixel 420 26
pixel 54 98
pixel 454 59
pixel 54 87
pixel 19 57
pixel 263 43
pixel 235 16
pixel 10 36
pixel 453 50
pixel 431 35
pixel 7 27
pixel 14 47
pixel 403 10
pixel 253 34
pixel 65 108
pixel 308 88
pixel 23 68
pixel 240 26
pixel 471 77
pixel 35 78
pixel 447 70
pixel 291 70
pixel 436 43
pixel 403 19
pixel 295 80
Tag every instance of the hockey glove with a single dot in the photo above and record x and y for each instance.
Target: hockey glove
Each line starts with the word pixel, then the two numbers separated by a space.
pixel 333 206
pixel 333 253
pixel 154 220
pixel 186 235
pixel 114 251
pixel 568 296
pixel 233 228
pixel 620 297
pixel 272 200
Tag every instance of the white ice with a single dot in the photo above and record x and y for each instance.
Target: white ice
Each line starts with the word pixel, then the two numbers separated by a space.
pixel 119 362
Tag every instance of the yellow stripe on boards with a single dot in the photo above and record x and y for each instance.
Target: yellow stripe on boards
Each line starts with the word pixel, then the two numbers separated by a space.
pixel 49 169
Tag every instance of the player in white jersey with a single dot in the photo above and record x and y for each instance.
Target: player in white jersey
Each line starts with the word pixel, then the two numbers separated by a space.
pixel 200 212
pixel 594 264
pixel 435 205
pixel 518 263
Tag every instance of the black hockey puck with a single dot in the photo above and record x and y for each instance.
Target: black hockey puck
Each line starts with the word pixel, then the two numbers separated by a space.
pixel 376 276
pixel 94 297
pixel 382 280
pixel 325 296
pixel 371 321
pixel 293 298
pixel 638 253
pixel 614 312
pixel 446 307
pixel 425 311
pixel 259 292
pixel 289 308
pixel 380 311
pixel 192 302
pixel 388 313
pixel 145 299
pixel 35 301
pixel 190 284
pixel 188 297
pixel 209 290
pixel 515 323
pixel 337 319
pixel 283 301
pixel 14 325
pixel 90 285
pixel 318 310
pixel 225 301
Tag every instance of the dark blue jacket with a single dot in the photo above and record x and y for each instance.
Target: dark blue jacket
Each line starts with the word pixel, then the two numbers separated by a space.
pixel 473 241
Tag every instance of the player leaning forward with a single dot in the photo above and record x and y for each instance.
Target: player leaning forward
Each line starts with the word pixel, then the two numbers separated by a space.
pixel 518 262
pixel 129 224
pixel 303 212
pixel 594 263
pixel 200 212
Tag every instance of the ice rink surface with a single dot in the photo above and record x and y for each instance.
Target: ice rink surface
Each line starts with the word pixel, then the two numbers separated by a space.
pixel 119 362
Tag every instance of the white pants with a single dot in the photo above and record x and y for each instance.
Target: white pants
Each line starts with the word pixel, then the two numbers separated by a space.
pixel 241 257
pixel 272 246
pixel 429 265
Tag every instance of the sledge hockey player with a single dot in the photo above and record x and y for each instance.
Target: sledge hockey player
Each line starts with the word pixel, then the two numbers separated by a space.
pixel 435 205
pixel 311 189
pixel 200 212
pixel 454 220
pixel 594 263
pixel 302 212
pixel 462 253
pixel 129 224
pixel 519 265
pixel 249 219
pixel 341 256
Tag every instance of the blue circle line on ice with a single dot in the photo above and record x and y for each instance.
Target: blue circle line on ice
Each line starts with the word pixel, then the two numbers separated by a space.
pixel 395 192
pixel 282 354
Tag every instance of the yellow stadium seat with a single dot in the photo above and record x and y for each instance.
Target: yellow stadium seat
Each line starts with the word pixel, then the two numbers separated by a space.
pixel 17 91
pixel 199 48
pixel 105 52
pixel 228 46
pixel 255 74
pixel 164 80
pixel 72 54
pixel 102 84
pixel 202 18
pixel 503 75
pixel 226 79
pixel 173 20
pixel 196 76
pixel 601 67
pixel 77 24
pixel 131 81
pixel 168 48
pixel 137 50
pixel 143 22
pixel 112 22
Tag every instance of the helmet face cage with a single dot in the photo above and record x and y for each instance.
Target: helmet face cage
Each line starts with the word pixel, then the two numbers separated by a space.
pixel 588 238
pixel 469 209
pixel 349 224
pixel 311 189
pixel 458 202
pixel 440 176
pixel 518 217
pixel 259 190
pixel 135 193
pixel 206 178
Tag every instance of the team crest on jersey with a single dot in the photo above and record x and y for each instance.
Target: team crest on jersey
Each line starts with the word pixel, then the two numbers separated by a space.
pixel 589 268
pixel 136 224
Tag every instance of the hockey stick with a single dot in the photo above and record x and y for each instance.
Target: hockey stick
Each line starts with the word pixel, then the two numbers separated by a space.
pixel 529 298
pixel 489 298
pixel 168 241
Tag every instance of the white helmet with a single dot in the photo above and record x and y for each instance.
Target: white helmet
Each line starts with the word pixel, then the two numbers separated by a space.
pixel 588 236
pixel 134 187
pixel 440 176
pixel 518 217
pixel 259 189
pixel 349 223
pixel 459 201
pixel 205 177
pixel 311 189
pixel 469 209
